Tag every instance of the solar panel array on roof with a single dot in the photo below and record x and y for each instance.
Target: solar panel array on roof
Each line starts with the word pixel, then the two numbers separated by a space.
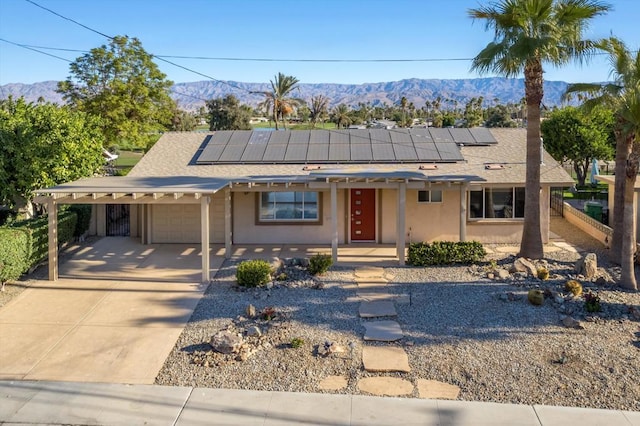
pixel 340 146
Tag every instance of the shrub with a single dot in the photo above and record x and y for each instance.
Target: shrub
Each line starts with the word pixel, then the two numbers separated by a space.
pixel 296 342
pixel 253 273
pixel 38 234
pixel 319 264
pixel 592 302
pixel 536 297
pixel 445 253
pixel 573 287
pixel 14 259
pixel 543 273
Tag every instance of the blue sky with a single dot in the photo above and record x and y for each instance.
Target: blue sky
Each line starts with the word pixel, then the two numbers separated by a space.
pixel 284 29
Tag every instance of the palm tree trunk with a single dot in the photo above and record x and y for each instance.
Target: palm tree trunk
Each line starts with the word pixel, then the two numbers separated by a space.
pixel 531 244
pixel 275 113
pixel 627 274
pixel 623 150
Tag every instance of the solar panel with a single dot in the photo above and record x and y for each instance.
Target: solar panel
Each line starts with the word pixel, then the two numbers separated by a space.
pixel 261 138
pixel 404 152
pixel 360 136
pixel 254 153
pixel 361 152
pixel 383 152
pixel 296 152
pixel 482 135
pixel 420 135
pixel 462 136
pixel 221 137
pixel 274 153
pixel 318 152
pixel 400 136
pixel 232 153
pixel 300 136
pixel 210 152
pixel 279 137
pixel 440 135
pixel 319 136
pixel 427 152
pixel 339 137
pixel 379 136
pixel 339 152
pixel 449 151
pixel 240 138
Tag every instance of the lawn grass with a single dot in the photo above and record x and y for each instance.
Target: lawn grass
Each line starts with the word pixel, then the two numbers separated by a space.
pixel 128 159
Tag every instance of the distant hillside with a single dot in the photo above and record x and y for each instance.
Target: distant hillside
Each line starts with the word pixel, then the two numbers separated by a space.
pixel 190 96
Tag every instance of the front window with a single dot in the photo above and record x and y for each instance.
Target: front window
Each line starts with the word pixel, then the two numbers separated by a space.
pixel 496 203
pixel 431 196
pixel 289 206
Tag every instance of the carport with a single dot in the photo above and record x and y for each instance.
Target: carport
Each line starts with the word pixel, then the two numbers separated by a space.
pixel 141 191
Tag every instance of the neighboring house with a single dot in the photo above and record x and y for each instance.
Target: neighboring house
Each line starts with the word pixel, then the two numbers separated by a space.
pixel 321 187
pixel 610 180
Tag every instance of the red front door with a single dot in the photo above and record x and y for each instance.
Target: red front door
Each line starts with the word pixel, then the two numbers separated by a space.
pixel 363 215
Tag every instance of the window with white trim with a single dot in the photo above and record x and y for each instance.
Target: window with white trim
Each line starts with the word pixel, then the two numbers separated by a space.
pixel 496 203
pixel 431 196
pixel 288 206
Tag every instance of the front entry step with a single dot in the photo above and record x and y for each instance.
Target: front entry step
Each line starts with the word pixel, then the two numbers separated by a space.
pixel 385 358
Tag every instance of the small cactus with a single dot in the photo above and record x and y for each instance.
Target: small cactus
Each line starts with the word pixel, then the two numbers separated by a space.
pixel 536 297
pixel 573 287
pixel 543 273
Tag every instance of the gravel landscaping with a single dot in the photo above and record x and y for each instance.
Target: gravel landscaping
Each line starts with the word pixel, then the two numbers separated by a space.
pixel 460 326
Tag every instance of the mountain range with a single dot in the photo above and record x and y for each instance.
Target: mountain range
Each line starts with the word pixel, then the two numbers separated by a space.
pixel 191 96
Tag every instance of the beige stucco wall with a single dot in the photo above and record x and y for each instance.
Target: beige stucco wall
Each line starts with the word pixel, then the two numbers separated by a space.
pixel 246 231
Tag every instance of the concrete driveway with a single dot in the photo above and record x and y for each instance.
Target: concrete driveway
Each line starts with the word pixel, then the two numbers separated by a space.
pixel 115 321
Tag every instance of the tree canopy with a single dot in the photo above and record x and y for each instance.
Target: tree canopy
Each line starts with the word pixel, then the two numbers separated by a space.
pixel 228 114
pixel 120 84
pixel 578 136
pixel 44 145
pixel 279 99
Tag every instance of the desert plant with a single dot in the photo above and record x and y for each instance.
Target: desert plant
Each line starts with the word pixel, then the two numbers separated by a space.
pixel 543 273
pixel 592 302
pixel 536 297
pixel 573 287
pixel 319 264
pixel 282 276
pixel 296 342
pixel 253 273
pixel 268 313
pixel 445 253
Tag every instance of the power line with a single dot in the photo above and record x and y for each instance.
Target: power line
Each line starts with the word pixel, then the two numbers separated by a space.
pixel 24 46
pixel 162 59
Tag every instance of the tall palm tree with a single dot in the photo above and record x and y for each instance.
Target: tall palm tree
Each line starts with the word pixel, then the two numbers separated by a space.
pixel 341 116
pixel 529 33
pixel 623 96
pixel 319 105
pixel 279 100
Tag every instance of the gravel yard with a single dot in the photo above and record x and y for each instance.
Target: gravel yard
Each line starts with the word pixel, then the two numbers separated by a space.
pixel 459 326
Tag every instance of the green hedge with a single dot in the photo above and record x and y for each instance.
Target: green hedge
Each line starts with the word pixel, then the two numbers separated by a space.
pixel 14 259
pixel 37 231
pixel 83 211
pixel 253 273
pixel 445 253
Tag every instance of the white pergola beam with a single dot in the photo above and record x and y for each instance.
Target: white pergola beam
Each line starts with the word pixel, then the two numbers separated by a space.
pixel 401 220
pixel 463 211
pixel 227 223
pixel 204 228
pixel 52 210
pixel 334 222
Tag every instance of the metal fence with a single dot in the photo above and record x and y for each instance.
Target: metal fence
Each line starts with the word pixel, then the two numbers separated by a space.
pixel 557 201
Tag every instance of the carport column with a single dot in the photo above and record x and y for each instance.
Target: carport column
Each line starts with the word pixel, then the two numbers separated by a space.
pixel 204 228
pixel 400 223
pixel 52 209
pixel 463 211
pixel 334 221
pixel 227 222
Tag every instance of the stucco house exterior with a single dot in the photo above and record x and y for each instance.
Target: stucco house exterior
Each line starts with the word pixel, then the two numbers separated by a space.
pixel 320 187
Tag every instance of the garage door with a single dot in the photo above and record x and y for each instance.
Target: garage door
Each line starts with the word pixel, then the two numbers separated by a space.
pixel 176 223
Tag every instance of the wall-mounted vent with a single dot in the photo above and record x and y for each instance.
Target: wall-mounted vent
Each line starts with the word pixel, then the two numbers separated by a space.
pixel 494 166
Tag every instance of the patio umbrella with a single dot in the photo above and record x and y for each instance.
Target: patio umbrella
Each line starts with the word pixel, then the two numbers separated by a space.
pixel 594 171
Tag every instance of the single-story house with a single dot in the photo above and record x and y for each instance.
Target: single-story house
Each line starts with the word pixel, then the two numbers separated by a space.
pixel 332 187
pixel 610 180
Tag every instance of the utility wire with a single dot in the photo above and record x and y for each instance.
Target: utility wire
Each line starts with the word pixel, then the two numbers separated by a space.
pixel 162 59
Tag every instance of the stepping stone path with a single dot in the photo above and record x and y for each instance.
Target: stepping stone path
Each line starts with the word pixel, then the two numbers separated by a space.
pixel 376 307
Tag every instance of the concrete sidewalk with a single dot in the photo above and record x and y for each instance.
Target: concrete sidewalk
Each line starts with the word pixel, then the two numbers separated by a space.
pixel 24 402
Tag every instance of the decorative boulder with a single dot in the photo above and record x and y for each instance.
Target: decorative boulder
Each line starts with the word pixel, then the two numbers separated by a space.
pixel 226 342
pixel 588 265
pixel 523 265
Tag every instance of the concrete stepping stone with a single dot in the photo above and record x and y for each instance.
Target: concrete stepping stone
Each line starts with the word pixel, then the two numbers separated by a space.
pixel 371 295
pixel 369 286
pixel 378 308
pixel 385 386
pixel 382 331
pixel 369 272
pixel 433 389
pixel 372 280
pixel 333 383
pixel 385 358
